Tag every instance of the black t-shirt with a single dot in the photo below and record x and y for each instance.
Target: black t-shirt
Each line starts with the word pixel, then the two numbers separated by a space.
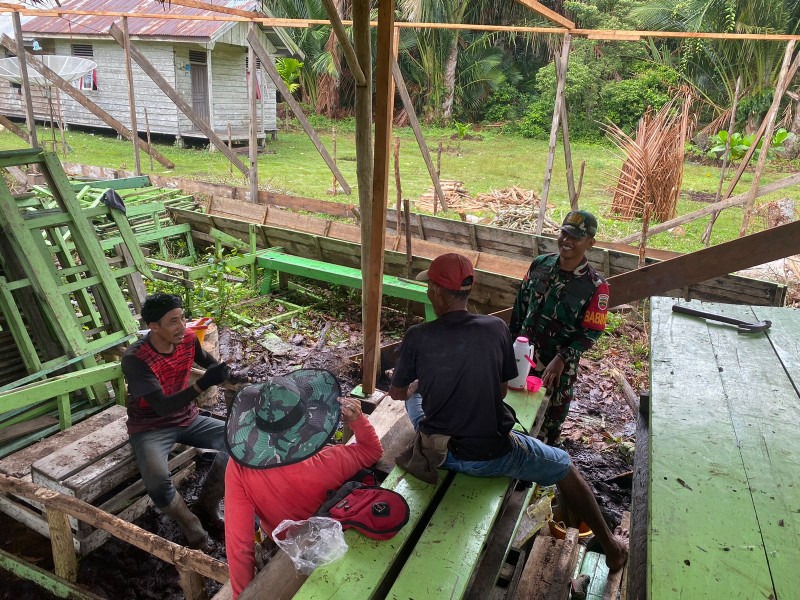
pixel 461 359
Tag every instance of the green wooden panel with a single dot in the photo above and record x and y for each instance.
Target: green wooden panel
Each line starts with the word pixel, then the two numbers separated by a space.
pixel 704 539
pixel 444 558
pixel 114 184
pixel 367 562
pixel 594 565
pixel 62 384
pixel 25 156
pixel 757 371
pixel 20 334
pixel 44 579
pixel 147 238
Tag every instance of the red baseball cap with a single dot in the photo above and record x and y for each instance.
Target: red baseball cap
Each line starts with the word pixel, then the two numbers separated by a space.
pixel 452 271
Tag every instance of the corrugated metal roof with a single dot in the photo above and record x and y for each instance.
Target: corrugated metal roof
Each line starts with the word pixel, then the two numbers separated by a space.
pixel 98 25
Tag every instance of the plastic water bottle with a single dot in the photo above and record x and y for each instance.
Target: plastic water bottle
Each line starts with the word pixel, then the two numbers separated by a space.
pixel 522 348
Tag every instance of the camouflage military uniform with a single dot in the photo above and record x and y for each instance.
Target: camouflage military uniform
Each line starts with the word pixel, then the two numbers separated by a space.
pixel 561 313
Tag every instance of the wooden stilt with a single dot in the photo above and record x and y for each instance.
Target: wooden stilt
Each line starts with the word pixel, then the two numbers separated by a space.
pixel 561 71
pixel 81 99
pixel 253 118
pixel 64 557
pixel 770 127
pixel 373 282
pixel 30 118
pixel 266 64
pixel 726 155
pixel 126 38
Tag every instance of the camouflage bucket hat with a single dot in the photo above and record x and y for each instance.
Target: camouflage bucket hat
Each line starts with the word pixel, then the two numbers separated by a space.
pixel 283 420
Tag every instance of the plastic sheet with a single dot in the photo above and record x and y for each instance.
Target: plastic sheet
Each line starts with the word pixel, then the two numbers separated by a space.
pixel 311 543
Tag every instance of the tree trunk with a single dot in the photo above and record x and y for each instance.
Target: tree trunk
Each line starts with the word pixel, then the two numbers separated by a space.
pixel 328 85
pixel 450 78
pixel 795 126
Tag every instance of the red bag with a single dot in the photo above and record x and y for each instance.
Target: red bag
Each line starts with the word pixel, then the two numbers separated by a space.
pixel 376 512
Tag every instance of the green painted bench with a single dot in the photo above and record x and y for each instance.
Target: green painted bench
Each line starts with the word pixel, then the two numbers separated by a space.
pixel 437 552
pixel 273 261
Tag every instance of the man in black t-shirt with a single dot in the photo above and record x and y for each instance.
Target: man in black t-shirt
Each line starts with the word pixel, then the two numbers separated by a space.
pixel 453 374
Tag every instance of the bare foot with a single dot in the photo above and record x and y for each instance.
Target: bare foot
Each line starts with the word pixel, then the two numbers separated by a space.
pixel 617 555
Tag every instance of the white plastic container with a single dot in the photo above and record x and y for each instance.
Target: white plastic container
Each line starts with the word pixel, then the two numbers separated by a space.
pixel 522 348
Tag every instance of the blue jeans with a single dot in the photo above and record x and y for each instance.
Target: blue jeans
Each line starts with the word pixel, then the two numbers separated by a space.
pixel 529 459
pixel 152 450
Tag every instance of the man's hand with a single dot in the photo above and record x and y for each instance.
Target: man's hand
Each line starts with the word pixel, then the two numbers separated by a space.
pixel 405 393
pixel 351 409
pixel 552 372
pixel 214 375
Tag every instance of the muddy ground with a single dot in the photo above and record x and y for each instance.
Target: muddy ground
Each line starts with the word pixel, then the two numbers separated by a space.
pixel 599 434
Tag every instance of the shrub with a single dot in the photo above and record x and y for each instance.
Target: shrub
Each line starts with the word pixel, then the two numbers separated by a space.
pixel 624 102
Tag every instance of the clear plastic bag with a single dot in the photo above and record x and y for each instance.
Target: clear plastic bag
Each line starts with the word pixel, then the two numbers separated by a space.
pixel 311 543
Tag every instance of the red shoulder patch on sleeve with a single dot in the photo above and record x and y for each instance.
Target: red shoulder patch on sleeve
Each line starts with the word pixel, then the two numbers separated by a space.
pixel 595 316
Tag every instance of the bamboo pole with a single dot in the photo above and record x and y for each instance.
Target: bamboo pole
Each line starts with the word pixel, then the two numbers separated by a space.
pixel 333 155
pixel 414 122
pixel 131 93
pixel 726 155
pixel 30 118
pixel 561 71
pixel 772 114
pixel 81 99
pixel 252 94
pixel 579 187
pixel 573 199
pixel 373 280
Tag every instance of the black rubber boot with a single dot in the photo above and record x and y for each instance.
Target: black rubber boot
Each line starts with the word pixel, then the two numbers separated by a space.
pixel 207 505
pixel 189 524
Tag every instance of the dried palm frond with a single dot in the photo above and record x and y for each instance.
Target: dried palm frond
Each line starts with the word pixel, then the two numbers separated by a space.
pixel 653 167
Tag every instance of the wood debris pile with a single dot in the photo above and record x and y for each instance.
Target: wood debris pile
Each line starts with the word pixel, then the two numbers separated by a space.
pixel 460 200
pixel 523 218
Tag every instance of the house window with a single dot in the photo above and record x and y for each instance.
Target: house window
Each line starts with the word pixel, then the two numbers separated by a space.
pixel 88 81
pixel 197 57
pixel 259 77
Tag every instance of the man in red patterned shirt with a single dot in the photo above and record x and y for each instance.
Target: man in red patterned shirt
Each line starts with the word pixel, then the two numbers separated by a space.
pixel 162 413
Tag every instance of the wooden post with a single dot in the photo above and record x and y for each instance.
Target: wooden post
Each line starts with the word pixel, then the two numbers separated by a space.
pixel 131 93
pixel 438 171
pixel 15 129
pixel 81 99
pixel 230 145
pixel 726 155
pixel 397 185
pixel 645 224
pixel 770 120
pixel 149 146
pixel 252 92
pixel 414 122
pixel 580 185
pixel 333 151
pixel 561 72
pixel 395 53
pixel 30 118
pixel 192 585
pixel 573 200
pixel 266 64
pixel 177 99
pixel 64 558
pixel 373 280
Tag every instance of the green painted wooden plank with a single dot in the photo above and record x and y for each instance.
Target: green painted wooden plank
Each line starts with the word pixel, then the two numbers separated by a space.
pixel 114 184
pixel 19 332
pixel 44 579
pixel 367 562
pixel 703 530
pixel 15 158
pixel 765 409
pixel 147 238
pixel 594 565
pixel 443 560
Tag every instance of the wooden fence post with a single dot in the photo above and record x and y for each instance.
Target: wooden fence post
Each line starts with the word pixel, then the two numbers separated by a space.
pixel 131 94
pixel 64 558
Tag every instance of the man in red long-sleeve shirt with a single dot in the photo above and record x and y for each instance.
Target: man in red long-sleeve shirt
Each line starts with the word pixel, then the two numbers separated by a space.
pixel 279 472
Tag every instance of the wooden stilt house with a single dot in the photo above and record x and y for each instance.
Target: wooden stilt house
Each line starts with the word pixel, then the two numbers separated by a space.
pixel 205 61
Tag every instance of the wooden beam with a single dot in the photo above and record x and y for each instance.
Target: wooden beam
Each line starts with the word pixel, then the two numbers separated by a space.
pixel 772 114
pixel 44 579
pixel 414 122
pixel 266 63
pixel 15 129
pixel 344 41
pixel 81 99
pixel 373 280
pixel 253 110
pixel 688 269
pixel 561 61
pixel 131 94
pixel 716 207
pixel 167 551
pixel 30 118
pixel 146 66
pixel 548 14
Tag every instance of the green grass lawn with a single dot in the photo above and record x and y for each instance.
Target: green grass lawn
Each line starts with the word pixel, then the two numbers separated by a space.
pixel 292 165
